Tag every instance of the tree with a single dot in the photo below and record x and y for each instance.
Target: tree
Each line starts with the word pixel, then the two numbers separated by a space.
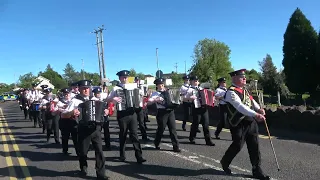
pixel 299 49
pixel 211 60
pixel 94 77
pixel 253 75
pixel 141 76
pixel 132 73
pixel 70 74
pixel 269 76
pixel 6 87
pixel 26 80
pixel 176 79
pixel 55 78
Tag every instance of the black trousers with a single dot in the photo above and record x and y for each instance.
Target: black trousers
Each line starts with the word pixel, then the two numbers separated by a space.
pixel 166 118
pixel 200 115
pixel 69 127
pixel 52 123
pixel 36 118
pixel 141 122
pixel 106 131
pixel 186 113
pixel 127 120
pixel 43 120
pixel 245 132
pixel 222 120
pixel 146 118
pixel 30 114
pixel 91 133
pixel 25 112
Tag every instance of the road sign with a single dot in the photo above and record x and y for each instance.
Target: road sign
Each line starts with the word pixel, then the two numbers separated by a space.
pixel 159 74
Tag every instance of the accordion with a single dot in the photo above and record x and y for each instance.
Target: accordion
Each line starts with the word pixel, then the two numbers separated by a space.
pixel 92 111
pixel 205 98
pixel 171 98
pixel 127 101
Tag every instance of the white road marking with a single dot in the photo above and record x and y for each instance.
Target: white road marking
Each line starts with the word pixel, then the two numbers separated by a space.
pixel 197 162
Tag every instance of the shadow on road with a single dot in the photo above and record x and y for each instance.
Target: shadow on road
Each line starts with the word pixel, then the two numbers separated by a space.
pixel 38 172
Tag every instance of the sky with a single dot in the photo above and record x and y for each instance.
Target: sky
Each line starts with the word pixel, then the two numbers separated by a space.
pixel 34 33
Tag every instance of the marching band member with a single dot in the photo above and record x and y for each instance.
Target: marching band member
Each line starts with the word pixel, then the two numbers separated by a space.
pixel 25 103
pixel 43 111
pixel 165 115
pixel 87 131
pixel 244 112
pixel 67 126
pixel 74 89
pixel 199 114
pixel 219 95
pixel 51 118
pixel 34 98
pixel 127 120
pixel 140 113
pixel 186 102
pixel 106 133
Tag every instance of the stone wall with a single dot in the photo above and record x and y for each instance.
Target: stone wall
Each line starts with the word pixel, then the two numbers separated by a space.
pixel 295 118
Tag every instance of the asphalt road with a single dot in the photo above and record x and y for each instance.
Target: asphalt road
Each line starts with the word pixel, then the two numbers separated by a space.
pixel 24 154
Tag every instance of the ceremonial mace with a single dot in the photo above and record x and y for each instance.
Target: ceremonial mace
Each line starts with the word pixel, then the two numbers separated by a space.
pixel 265 122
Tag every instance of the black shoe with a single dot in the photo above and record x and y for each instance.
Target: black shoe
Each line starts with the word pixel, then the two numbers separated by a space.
pixel 217 136
pixel 122 158
pixel 258 174
pixel 65 152
pixel 192 141
pixel 102 176
pixel 141 160
pixel 210 143
pixel 198 131
pixel 176 149
pixel 84 171
pixel 157 146
pixel 225 168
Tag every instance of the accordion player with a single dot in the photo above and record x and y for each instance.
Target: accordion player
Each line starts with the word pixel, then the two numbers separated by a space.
pixel 171 98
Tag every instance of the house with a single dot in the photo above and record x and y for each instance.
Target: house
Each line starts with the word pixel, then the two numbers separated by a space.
pixel 43 81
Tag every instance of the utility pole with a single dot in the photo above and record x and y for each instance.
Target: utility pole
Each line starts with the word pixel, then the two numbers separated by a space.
pixel 157 59
pixel 176 66
pixel 100 49
pixel 185 67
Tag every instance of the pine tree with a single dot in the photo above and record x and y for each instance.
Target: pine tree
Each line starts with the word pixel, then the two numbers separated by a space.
pixel 299 48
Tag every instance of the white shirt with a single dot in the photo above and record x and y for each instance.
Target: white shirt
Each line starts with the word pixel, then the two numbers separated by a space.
pixel 220 92
pixel 152 98
pixel 184 91
pixel 235 101
pixel 193 92
pixel 74 103
pixel 34 95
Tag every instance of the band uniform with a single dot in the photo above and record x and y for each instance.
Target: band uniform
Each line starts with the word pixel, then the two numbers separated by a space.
pixel 50 115
pixel 219 95
pixel 199 114
pixel 165 115
pixel 88 132
pixel 68 126
pixel 243 113
pixel 127 120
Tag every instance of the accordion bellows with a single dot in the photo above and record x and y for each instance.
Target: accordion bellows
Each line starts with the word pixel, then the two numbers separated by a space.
pixel 92 110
